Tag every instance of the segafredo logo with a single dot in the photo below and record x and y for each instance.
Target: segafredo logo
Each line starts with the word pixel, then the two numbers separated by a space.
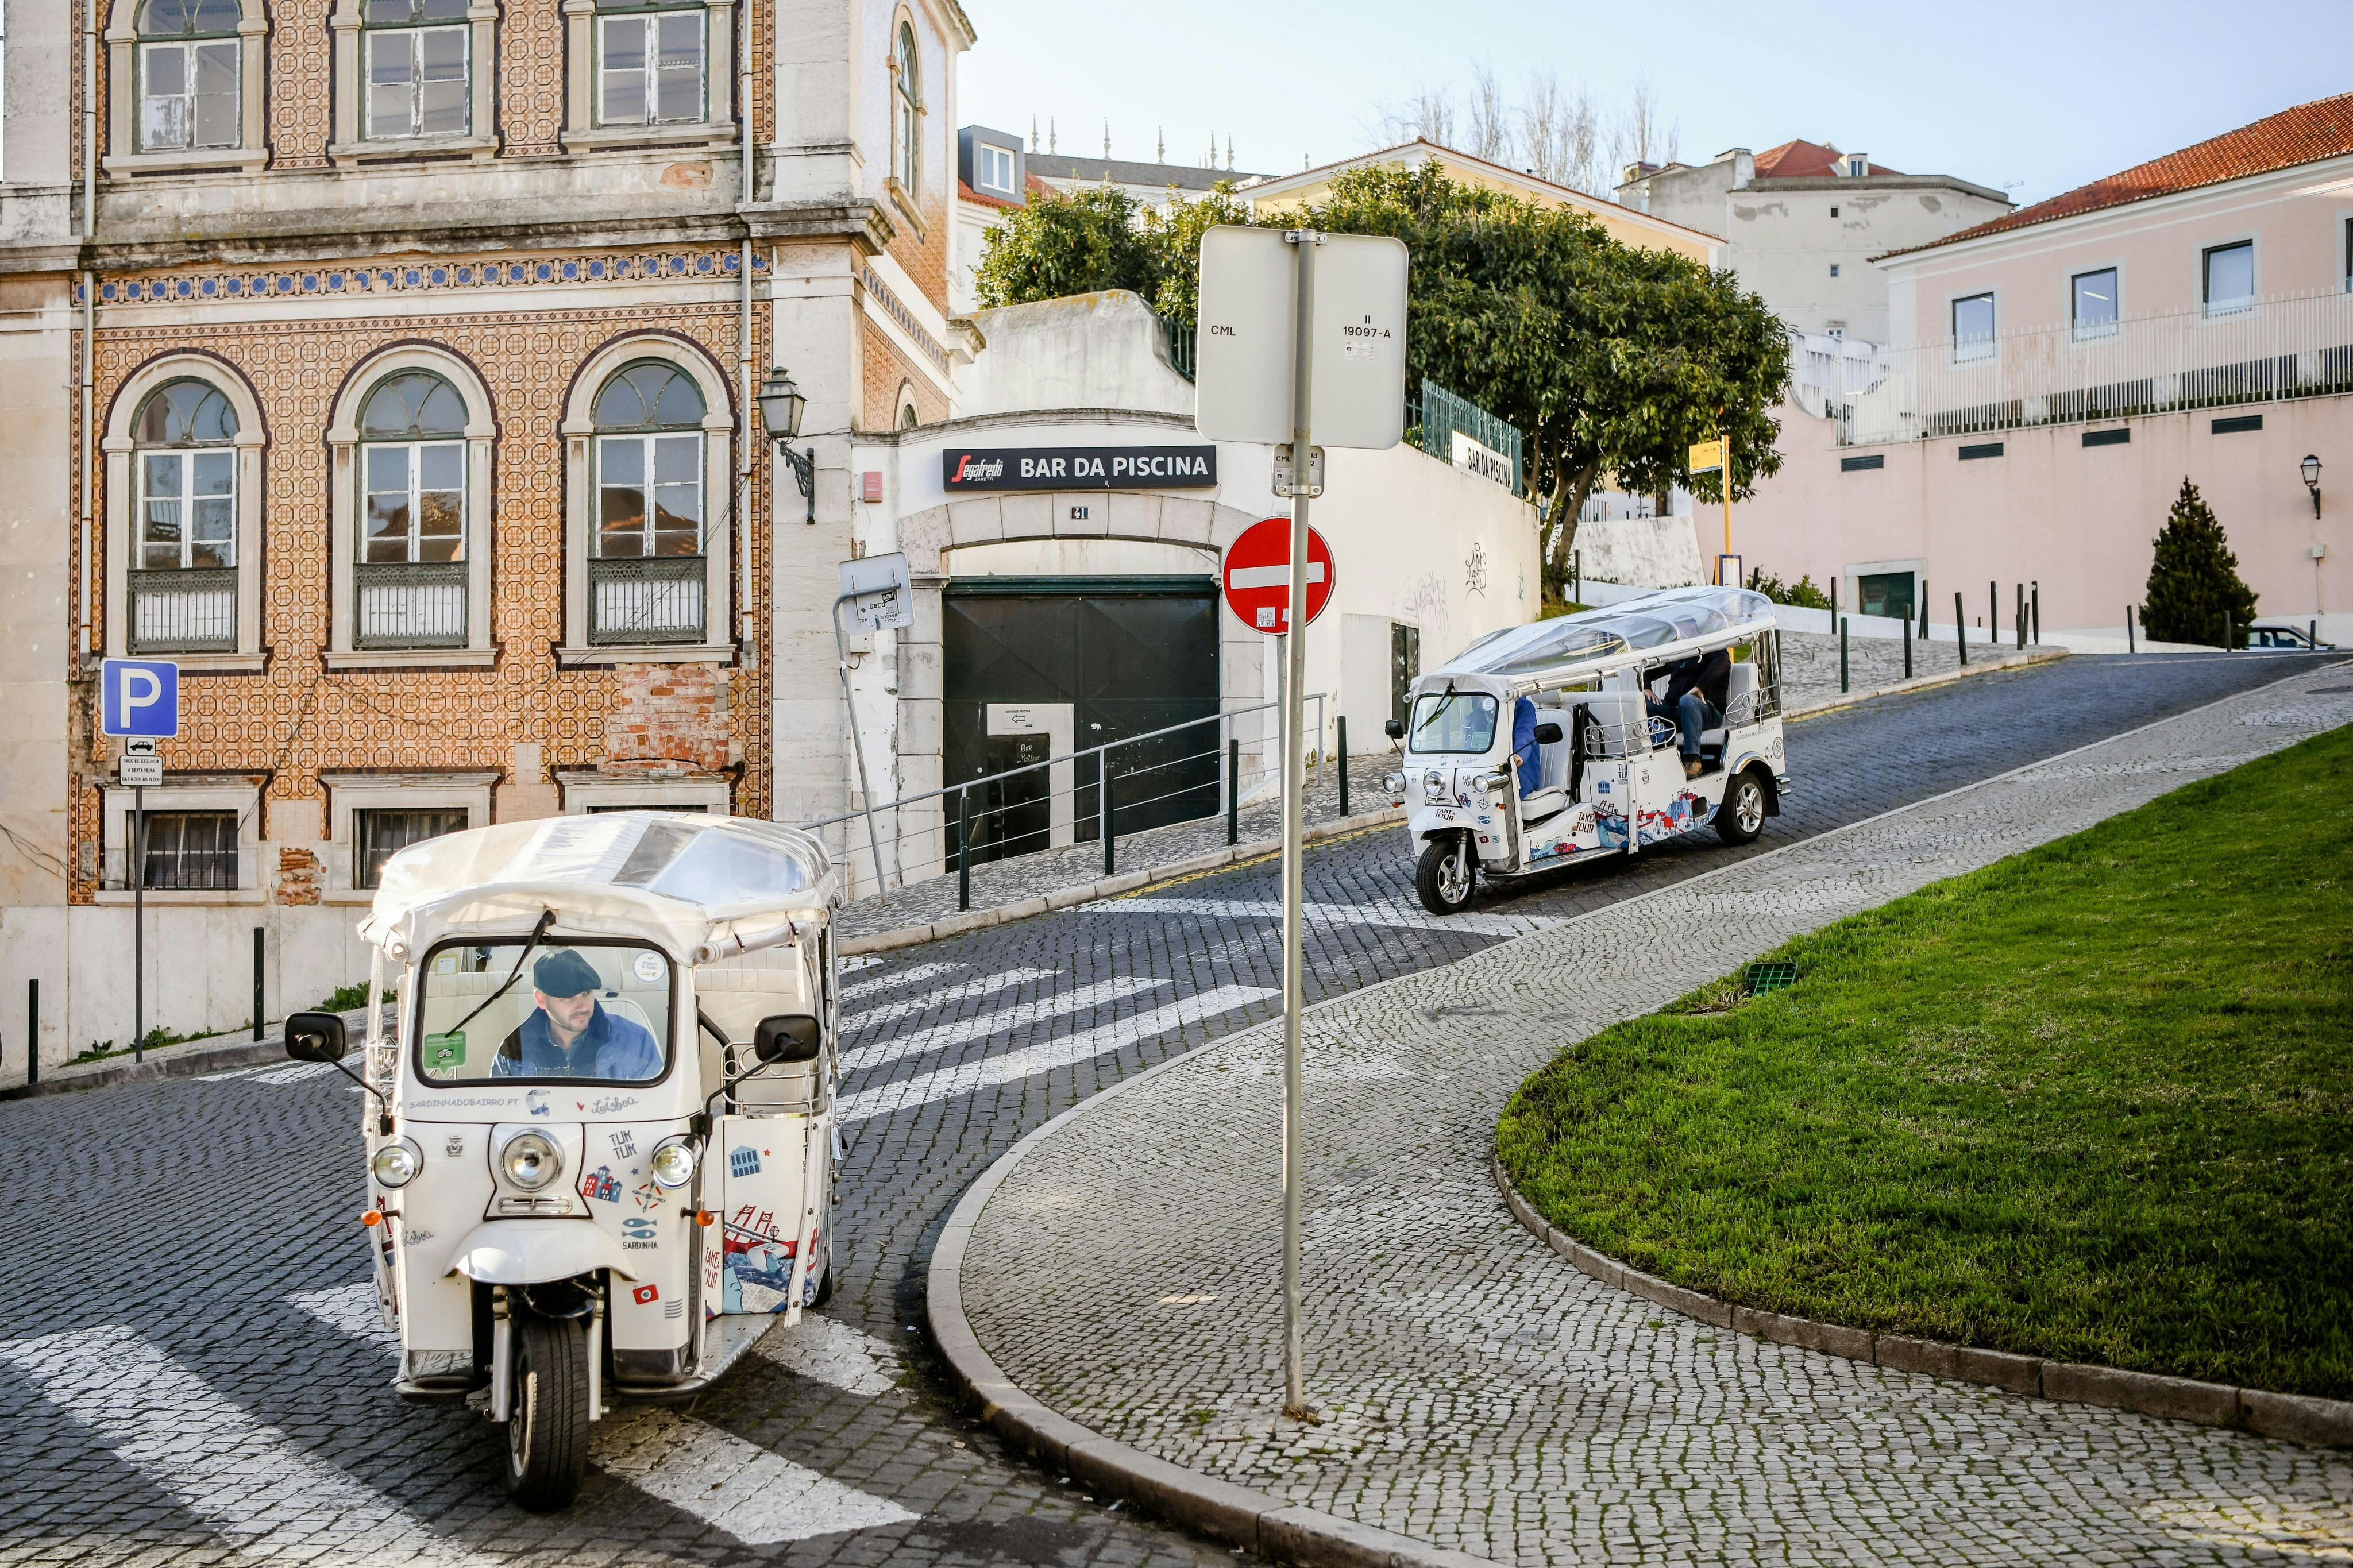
pixel 973 468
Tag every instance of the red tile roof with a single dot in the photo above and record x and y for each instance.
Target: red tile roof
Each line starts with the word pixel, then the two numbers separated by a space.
pixel 1804 160
pixel 2305 135
pixel 977 198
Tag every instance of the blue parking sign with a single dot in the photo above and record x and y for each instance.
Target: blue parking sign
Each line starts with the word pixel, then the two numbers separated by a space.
pixel 139 697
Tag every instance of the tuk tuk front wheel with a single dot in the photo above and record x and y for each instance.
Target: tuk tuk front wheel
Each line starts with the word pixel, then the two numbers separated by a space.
pixel 547 1429
pixel 1447 873
pixel 1741 817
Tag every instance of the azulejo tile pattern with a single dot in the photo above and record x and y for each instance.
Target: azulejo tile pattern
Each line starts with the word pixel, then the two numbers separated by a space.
pixel 1480 1393
pixel 296 717
pixel 413 276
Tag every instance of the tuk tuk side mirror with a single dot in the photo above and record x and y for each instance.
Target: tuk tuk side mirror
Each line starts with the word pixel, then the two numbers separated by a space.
pixel 785 1038
pixel 1393 728
pixel 1547 734
pixel 315 1037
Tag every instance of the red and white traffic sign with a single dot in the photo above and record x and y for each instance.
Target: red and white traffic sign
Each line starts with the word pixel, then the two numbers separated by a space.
pixel 1257 574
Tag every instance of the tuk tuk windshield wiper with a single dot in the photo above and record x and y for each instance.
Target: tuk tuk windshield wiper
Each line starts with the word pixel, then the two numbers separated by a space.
pixel 538 932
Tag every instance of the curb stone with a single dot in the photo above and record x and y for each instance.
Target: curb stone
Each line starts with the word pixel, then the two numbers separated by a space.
pixel 2293 1418
pixel 1222 1510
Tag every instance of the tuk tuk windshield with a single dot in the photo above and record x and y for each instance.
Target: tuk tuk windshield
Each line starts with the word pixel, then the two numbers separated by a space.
pixel 1453 721
pixel 597 1011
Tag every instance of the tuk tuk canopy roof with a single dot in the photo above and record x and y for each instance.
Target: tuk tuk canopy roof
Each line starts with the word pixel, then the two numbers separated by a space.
pixel 702 886
pixel 1544 647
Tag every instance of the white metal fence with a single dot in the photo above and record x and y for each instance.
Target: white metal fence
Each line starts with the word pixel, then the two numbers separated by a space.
pixel 2264 350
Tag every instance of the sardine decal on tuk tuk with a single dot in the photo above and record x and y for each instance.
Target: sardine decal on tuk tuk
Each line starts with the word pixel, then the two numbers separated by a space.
pixel 600 1140
pixel 1593 734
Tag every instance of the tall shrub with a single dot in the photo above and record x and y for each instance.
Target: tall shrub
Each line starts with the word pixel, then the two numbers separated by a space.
pixel 2193 580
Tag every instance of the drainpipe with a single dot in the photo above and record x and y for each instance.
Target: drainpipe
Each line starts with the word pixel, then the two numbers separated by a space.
pixel 88 293
pixel 750 457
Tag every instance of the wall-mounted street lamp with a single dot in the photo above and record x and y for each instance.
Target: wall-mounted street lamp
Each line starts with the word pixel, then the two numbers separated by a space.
pixel 781 407
pixel 2311 466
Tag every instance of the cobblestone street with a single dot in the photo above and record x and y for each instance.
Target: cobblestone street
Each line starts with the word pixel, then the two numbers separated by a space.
pixel 190 1371
pixel 1480 1394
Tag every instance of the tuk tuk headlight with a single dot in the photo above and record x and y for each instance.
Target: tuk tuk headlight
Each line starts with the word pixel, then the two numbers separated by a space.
pixel 395 1163
pixel 1393 784
pixel 1433 786
pixel 673 1162
pixel 531 1160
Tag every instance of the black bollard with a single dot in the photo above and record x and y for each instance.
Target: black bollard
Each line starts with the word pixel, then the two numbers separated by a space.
pixel 2131 643
pixel 1842 681
pixel 1907 659
pixel 32 1031
pixel 257 984
pixel 1233 792
pixel 964 847
pixel 1343 749
pixel 2034 603
pixel 1993 614
pixel 1103 773
pixel 1960 629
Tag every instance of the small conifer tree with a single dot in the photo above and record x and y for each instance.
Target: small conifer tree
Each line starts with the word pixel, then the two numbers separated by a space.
pixel 2194 582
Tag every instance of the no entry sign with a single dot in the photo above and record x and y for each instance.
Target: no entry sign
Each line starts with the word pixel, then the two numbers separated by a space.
pixel 1256 575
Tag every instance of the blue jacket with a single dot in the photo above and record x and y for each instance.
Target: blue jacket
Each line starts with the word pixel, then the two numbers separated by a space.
pixel 615 1049
pixel 1523 746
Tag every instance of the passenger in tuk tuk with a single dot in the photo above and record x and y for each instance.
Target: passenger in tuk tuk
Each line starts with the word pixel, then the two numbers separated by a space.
pixel 1695 700
pixel 570 1033
pixel 1524 747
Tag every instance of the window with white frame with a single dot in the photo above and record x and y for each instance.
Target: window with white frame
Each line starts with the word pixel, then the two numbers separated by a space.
pixel 188 57
pixel 379 834
pixel 409 575
pixel 187 479
pixel 415 62
pixel 646 577
pixel 2093 302
pixel 1973 327
pixel 911 114
pixel 186 851
pixel 2230 277
pixel 651 60
pixel 996 168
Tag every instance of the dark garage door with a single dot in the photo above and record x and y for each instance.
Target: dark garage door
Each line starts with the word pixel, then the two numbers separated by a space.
pixel 1129 653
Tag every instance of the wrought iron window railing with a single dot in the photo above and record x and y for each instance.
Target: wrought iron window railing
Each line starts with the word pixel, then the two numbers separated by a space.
pixel 183 610
pixel 645 599
pixel 418 604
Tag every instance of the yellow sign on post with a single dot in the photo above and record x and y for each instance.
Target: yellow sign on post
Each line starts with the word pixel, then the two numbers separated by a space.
pixel 1706 456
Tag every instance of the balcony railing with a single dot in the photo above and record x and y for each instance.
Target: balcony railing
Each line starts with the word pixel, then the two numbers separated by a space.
pixel 2264 350
pixel 183 610
pixel 645 599
pixel 409 604
pixel 1433 415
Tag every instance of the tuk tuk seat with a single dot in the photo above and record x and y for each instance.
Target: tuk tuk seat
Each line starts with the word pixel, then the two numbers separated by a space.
pixel 1740 693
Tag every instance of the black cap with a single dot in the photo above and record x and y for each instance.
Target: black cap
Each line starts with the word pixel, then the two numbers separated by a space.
pixel 565 973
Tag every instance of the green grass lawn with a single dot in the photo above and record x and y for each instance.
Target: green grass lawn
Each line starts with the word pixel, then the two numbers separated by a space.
pixel 2095 1102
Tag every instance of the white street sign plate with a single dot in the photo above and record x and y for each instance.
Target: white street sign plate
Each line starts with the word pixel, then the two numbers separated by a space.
pixel 1244 352
pixel 142 767
pixel 886 600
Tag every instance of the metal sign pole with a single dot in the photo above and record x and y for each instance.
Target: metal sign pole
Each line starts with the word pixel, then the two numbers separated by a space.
pixel 1294 784
pixel 857 746
pixel 139 924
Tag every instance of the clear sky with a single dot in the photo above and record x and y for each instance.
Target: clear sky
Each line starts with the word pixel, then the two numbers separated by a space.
pixel 2041 97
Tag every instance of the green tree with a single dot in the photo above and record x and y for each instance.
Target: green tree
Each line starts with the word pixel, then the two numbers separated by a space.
pixel 2193 580
pixel 1610 362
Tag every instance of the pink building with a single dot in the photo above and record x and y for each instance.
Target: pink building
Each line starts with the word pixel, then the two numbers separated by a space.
pixel 2055 373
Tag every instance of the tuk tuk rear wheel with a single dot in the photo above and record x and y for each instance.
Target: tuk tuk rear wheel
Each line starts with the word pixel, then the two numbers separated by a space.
pixel 1741 817
pixel 1446 875
pixel 547 1427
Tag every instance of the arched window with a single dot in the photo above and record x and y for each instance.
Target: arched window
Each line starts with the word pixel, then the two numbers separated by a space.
pixel 187 479
pixel 188 60
pixel 413 471
pixel 911 114
pixel 908 416
pixel 651 62
pixel 648 420
pixel 416 62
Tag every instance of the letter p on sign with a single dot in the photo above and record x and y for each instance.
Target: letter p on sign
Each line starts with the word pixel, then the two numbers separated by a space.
pixel 139 697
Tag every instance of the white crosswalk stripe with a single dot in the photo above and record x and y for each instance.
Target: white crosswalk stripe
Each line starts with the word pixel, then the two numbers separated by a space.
pixel 964 1078
pixel 752 1494
pixel 833 1352
pixel 883 1012
pixel 241 1476
pixel 908 976
pixel 1327 914
pixel 999 1021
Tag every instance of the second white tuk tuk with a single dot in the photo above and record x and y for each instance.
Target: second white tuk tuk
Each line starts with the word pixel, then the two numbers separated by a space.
pixel 600 1142
pixel 1611 777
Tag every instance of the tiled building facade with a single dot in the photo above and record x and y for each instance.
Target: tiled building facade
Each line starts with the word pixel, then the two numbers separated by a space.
pixel 399 384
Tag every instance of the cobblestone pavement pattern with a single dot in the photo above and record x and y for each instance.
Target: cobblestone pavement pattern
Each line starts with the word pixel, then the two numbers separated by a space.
pixel 189 1371
pixel 1480 1394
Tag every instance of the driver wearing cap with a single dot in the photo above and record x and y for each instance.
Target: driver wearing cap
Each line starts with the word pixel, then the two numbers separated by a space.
pixel 571 1035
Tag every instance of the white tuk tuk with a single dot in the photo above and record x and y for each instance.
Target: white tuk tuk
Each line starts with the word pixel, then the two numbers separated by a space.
pixel 600 1143
pixel 1610 776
